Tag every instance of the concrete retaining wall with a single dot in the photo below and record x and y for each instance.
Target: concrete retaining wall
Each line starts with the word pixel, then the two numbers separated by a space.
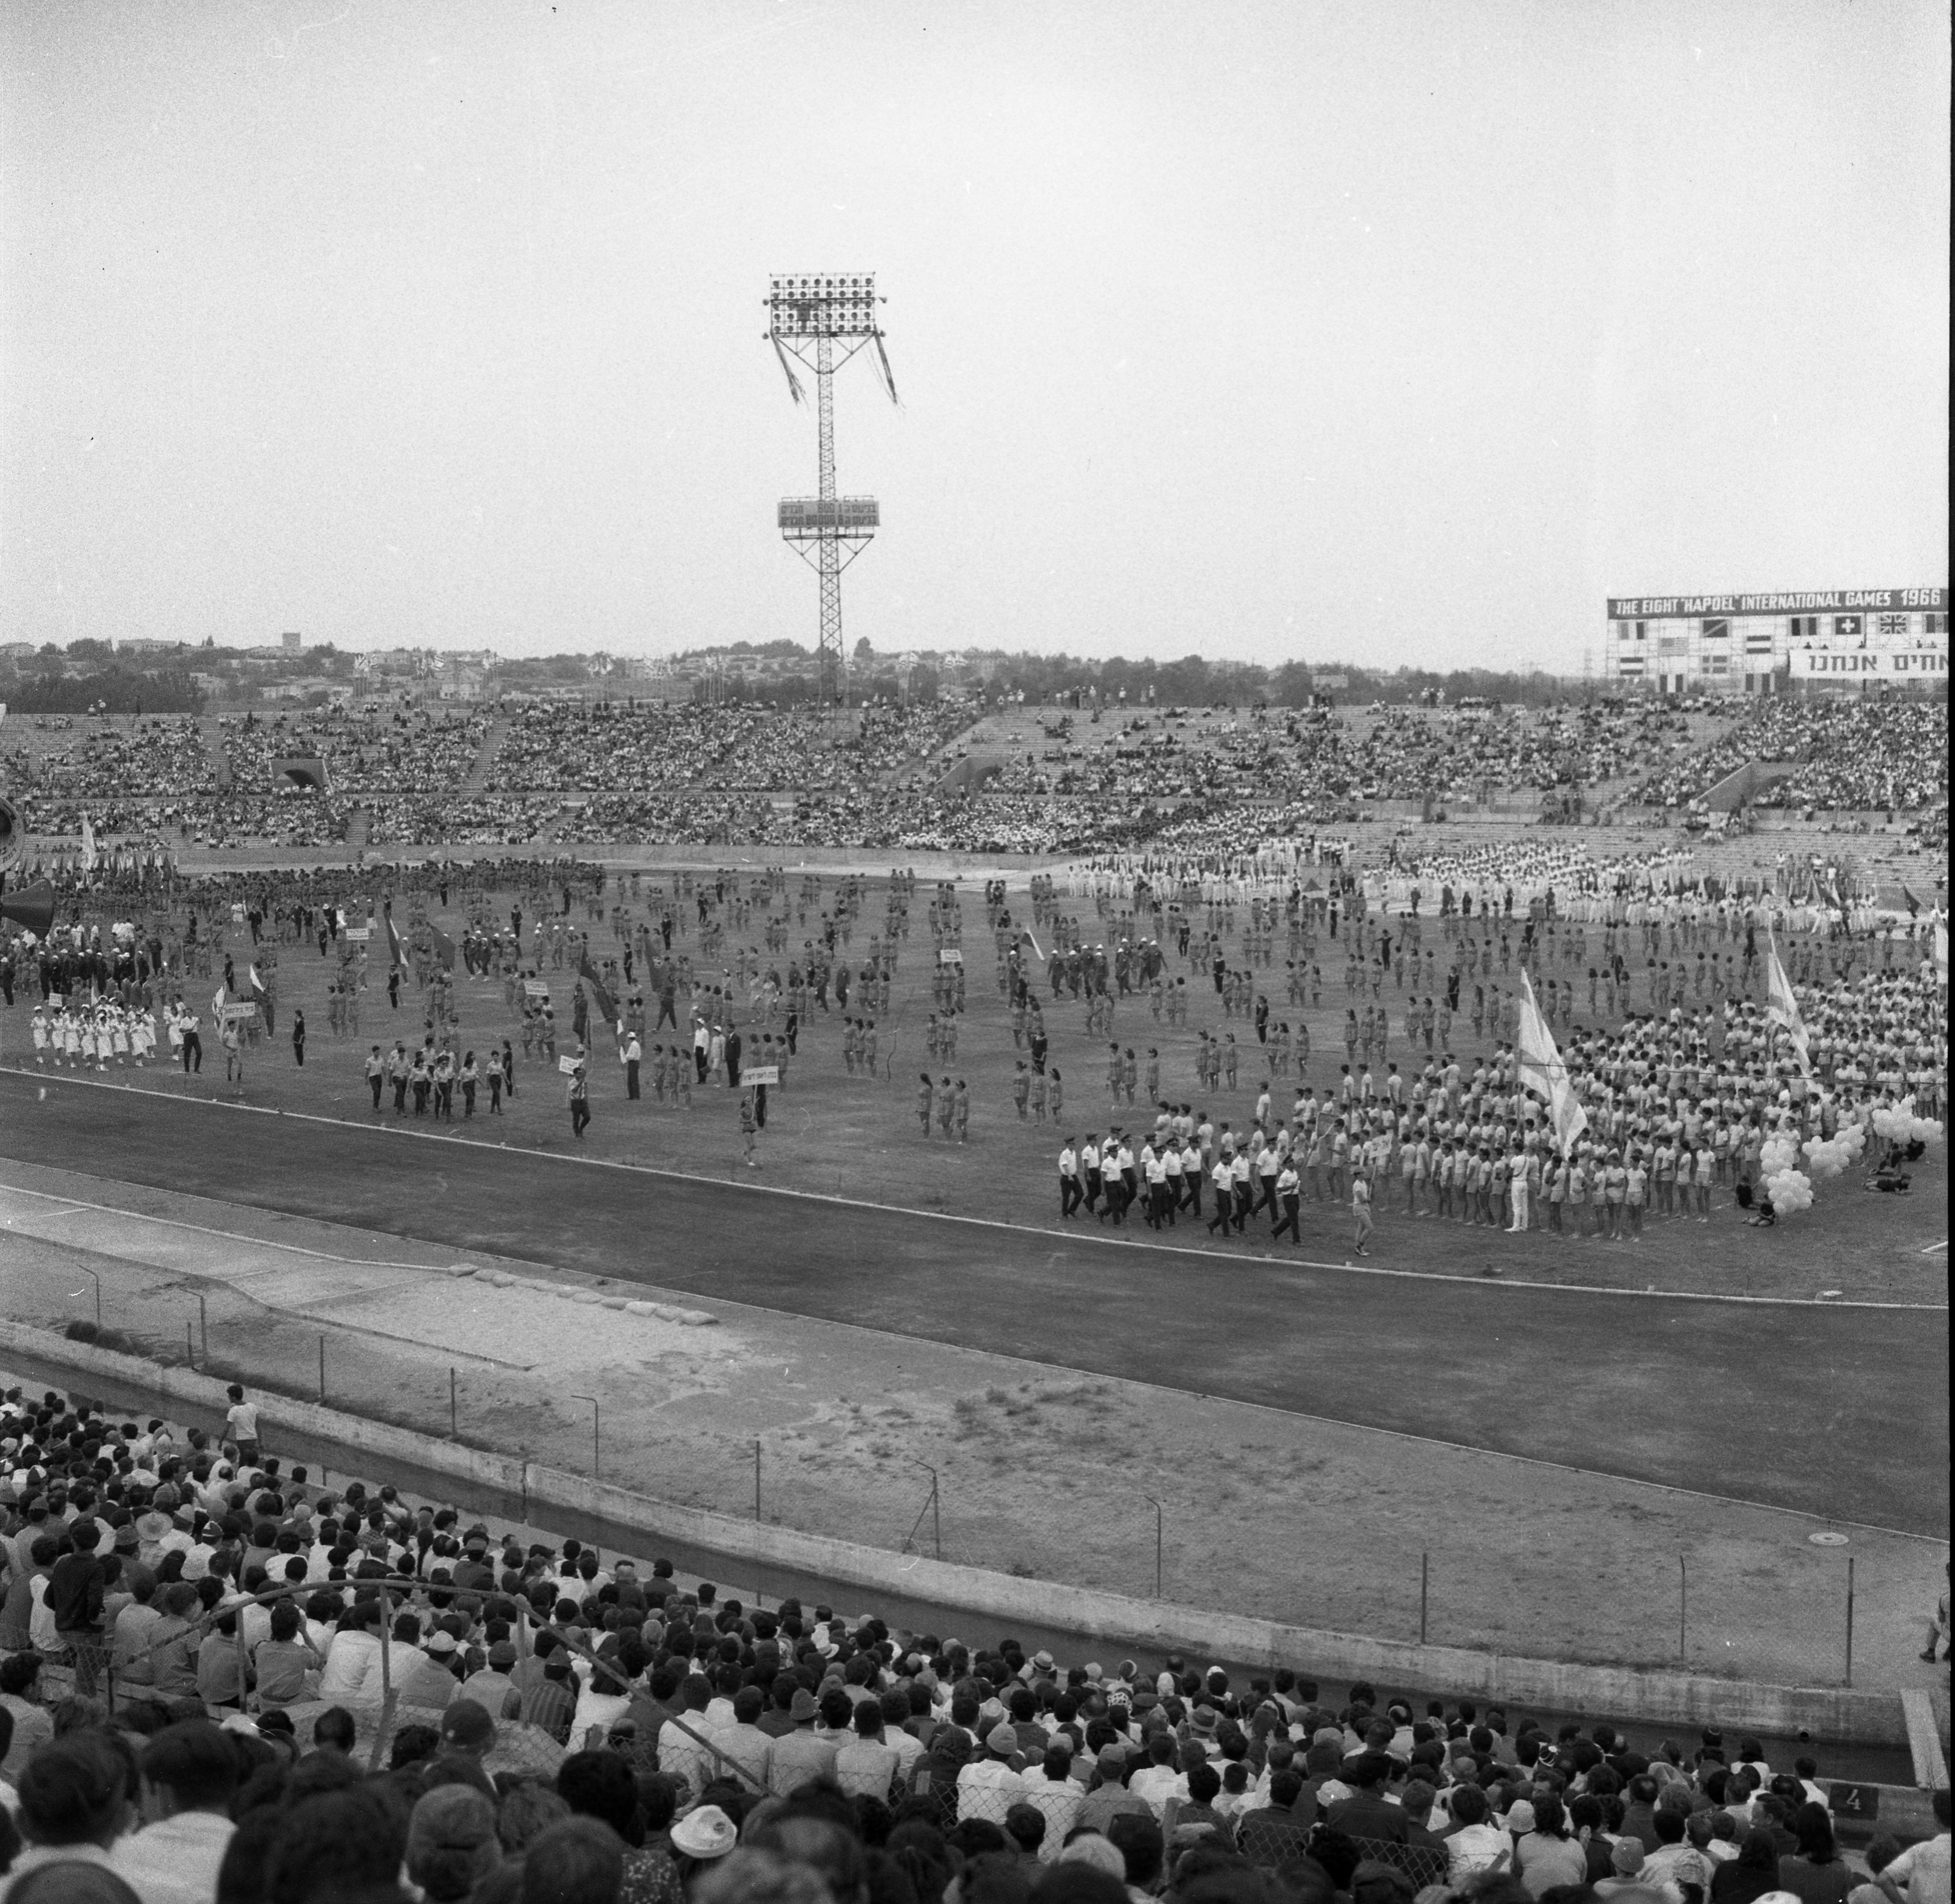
pixel 496 1484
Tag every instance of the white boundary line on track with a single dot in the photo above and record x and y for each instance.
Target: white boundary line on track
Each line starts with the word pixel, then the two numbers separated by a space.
pixel 994 1223
pixel 209 1229
pixel 1071 1370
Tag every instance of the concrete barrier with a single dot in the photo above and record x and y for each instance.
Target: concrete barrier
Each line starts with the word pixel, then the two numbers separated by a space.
pixel 617 1516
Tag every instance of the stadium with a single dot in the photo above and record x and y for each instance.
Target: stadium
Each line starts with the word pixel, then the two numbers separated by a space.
pixel 767 1271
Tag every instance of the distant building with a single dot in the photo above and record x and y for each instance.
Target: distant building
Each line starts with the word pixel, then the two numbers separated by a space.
pixel 289 641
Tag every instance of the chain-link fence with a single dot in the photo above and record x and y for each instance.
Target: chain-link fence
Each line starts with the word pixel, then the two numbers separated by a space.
pixel 1201 1533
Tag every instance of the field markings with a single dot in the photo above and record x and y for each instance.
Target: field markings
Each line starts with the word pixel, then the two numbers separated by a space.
pixel 1646 1294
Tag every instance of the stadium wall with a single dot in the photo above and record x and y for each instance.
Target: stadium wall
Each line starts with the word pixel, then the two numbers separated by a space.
pixel 789 1562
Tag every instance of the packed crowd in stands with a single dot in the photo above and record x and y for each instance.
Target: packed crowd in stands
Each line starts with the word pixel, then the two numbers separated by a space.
pixel 1861 755
pixel 1316 756
pixel 401 751
pixel 654 771
pixel 657 747
pixel 225 1682
pixel 162 755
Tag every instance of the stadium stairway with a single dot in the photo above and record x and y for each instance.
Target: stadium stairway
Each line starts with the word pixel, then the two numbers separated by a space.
pixel 220 755
pixel 477 778
pixel 359 828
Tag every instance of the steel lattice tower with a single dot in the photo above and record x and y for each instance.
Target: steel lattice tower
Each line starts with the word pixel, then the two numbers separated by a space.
pixel 810 318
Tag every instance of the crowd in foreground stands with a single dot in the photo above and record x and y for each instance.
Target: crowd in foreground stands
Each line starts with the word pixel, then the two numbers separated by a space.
pixel 223 1684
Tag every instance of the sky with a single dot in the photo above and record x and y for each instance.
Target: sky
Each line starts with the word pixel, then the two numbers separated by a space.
pixel 1396 333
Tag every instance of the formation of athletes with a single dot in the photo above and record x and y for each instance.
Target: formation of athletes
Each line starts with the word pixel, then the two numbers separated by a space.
pixel 1180 995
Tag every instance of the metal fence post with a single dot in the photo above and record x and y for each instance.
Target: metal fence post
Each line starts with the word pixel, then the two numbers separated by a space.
pixel 936 1515
pixel 1424 1586
pixel 596 1448
pixel 190 1346
pixel 757 1477
pixel 1849 1619
pixel 1682 1610
pixel 454 1431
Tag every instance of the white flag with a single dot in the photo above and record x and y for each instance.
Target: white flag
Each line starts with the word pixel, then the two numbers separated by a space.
pixel 1543 1073
pixel 1781 1007
pixel 88 845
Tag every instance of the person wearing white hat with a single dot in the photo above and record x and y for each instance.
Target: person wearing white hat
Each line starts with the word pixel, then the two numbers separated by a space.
pixel 704 1833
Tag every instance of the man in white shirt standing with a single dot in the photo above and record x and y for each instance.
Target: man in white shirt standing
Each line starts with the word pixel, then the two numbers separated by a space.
pixel 1070 1193
pixel 241 1419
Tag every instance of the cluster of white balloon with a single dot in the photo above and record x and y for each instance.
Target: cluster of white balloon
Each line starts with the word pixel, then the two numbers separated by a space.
pixel 1899 1122
pixel 1790 1188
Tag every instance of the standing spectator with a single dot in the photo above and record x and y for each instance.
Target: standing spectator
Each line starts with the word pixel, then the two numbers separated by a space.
pixel 75 1591
pixel 241 1419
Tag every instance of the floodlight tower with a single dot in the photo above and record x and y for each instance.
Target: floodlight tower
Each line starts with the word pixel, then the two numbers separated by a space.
pixel 821 323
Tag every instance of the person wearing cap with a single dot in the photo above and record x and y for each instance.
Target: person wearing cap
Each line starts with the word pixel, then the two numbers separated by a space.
pixel 189 1772
pixel 987 1786
pixel 800 1756
pixel 1627 1875
pixel 1106 1796
pixel 421 1673
pixel 466 1729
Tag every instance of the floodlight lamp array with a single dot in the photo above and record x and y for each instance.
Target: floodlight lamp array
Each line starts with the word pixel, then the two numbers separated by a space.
pixel 816 306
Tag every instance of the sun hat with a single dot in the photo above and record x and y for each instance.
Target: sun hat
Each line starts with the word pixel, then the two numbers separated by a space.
pixel 705 1832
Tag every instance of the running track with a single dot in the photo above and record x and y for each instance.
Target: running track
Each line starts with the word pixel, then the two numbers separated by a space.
pixel 1828 1410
